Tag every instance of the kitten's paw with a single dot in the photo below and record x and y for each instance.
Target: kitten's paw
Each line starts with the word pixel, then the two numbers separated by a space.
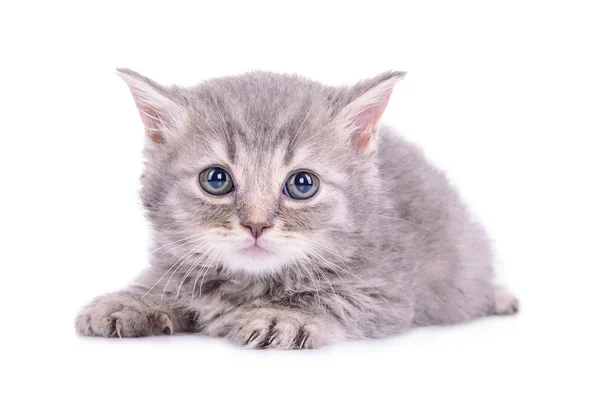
pixel 121 315
pixel 504 302
pixel 283 329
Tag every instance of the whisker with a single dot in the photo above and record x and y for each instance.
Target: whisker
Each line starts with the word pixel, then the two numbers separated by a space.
pixel 203 257
pixel 200 270
pixel 204 276
pixel 178 241
pixel 189 271
pixel 181 262
pixel 169 270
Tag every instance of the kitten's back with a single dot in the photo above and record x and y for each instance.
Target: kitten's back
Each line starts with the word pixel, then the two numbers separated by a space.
pixel 453 262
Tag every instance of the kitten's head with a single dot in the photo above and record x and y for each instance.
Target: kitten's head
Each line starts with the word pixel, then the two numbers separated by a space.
pixel 262 171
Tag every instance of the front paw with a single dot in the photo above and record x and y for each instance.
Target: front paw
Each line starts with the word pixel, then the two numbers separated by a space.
pixel 283 329
pixel 121 315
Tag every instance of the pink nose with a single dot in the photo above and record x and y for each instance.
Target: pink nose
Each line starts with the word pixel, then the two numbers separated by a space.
pixel 256 228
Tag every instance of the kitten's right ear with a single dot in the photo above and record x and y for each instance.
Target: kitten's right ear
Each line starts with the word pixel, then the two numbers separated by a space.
pixel 158 110
pixel 360 118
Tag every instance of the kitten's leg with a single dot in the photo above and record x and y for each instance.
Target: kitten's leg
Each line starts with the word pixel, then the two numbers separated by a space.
pixel 276 328
pixel 127 314
pixel 504 302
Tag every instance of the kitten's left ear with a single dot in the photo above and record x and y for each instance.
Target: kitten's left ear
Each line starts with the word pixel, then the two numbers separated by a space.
pixel 156 104
pixel 361 116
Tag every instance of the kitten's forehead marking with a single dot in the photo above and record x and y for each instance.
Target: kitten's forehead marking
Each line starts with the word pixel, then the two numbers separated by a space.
pixel 260 175
pixel 259 170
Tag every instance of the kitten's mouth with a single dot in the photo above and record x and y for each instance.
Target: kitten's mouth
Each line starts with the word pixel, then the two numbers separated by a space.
pixel 255 251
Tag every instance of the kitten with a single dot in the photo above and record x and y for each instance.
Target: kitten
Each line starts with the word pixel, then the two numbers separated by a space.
pixel 285 217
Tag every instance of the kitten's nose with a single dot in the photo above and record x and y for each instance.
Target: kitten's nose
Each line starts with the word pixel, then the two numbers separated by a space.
pixel 256 228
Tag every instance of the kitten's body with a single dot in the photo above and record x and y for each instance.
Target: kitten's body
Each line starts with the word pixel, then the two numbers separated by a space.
pixel 387 245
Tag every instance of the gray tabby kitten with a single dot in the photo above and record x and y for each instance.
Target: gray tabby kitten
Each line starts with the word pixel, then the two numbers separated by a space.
pixel 285 217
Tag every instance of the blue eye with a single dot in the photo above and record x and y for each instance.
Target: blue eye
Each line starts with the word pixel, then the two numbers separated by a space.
pixel 216 180
pixel 301 185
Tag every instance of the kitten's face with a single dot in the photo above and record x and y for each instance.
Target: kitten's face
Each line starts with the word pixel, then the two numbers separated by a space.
pixel 258 173
pixel 293 228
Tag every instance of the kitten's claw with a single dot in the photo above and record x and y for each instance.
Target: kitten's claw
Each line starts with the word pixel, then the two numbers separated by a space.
pixel 163 324
pixel 252 336
pixel 119 328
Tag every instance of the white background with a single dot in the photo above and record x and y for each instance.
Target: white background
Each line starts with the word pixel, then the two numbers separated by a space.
pixel 504 96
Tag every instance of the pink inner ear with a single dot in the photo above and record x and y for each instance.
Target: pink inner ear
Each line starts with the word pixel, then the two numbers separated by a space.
pixel 150 120
pixel 366 123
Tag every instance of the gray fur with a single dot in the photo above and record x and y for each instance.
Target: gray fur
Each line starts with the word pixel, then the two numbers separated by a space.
pixel 386 244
